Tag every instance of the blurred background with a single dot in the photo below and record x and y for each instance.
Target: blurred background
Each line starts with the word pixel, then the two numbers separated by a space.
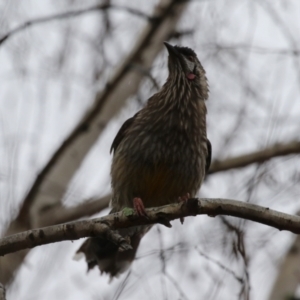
pixel 77 70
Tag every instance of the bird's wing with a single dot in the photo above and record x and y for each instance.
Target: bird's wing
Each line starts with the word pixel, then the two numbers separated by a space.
pixel 208 157
pixel 121 133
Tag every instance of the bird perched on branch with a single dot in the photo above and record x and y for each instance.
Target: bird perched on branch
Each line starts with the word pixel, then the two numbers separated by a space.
pixel 161 155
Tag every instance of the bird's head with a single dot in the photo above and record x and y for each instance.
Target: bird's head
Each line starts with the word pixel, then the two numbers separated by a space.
pixel 184 66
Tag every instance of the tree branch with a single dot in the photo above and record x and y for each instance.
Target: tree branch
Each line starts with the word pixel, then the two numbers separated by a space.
pixel 72 14
pixel 255 157
pixel 61 214
pixel 163 215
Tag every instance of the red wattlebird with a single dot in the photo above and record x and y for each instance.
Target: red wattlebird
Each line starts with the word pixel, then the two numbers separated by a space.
pixel 161 155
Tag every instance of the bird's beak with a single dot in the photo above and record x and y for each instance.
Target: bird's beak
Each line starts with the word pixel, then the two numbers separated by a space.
pixel 186 65
pixel 172 51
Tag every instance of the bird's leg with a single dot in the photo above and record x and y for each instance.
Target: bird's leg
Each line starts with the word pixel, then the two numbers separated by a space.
pixel 184 198
pixel 139 207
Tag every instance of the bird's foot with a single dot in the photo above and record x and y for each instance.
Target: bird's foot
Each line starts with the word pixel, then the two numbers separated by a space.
pixel 184 198
pixel 139 207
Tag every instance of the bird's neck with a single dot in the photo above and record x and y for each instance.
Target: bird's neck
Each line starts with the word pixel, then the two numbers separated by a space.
pixel 179 104
pixel 180 95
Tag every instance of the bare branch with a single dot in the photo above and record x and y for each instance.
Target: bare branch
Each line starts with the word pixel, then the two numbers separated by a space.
pixel 72 14
pixel 163 215
pixel 221 266
pixel 255 157
pixel 59 214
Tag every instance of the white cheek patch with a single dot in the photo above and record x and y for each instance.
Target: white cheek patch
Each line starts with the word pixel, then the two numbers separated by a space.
pixel 190 65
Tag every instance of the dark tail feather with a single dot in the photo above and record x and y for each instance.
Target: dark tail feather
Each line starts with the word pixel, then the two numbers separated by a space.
pixel 107 255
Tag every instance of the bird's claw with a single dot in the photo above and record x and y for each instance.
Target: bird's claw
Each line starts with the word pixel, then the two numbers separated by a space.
pixel 184 198
pixel 139 207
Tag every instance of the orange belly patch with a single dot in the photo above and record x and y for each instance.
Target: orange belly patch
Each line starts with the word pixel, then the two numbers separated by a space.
pixel 159 186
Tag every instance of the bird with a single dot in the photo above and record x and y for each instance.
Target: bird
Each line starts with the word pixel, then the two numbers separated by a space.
pixel 160 156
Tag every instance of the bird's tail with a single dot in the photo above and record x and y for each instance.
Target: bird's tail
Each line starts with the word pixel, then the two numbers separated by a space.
pixel 107 255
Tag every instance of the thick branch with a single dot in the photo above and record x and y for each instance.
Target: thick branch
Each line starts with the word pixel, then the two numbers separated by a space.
pixel 255 157
pixel 164 214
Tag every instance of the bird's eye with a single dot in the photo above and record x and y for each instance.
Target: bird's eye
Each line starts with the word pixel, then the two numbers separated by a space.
pixel 190 58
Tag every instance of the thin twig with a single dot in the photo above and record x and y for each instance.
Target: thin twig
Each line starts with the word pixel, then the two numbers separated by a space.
pixel 72 14
pixel 176 286
pixel 220 265
pixel 240 250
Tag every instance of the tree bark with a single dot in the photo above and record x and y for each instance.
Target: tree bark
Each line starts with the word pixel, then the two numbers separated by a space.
pixel 162 215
